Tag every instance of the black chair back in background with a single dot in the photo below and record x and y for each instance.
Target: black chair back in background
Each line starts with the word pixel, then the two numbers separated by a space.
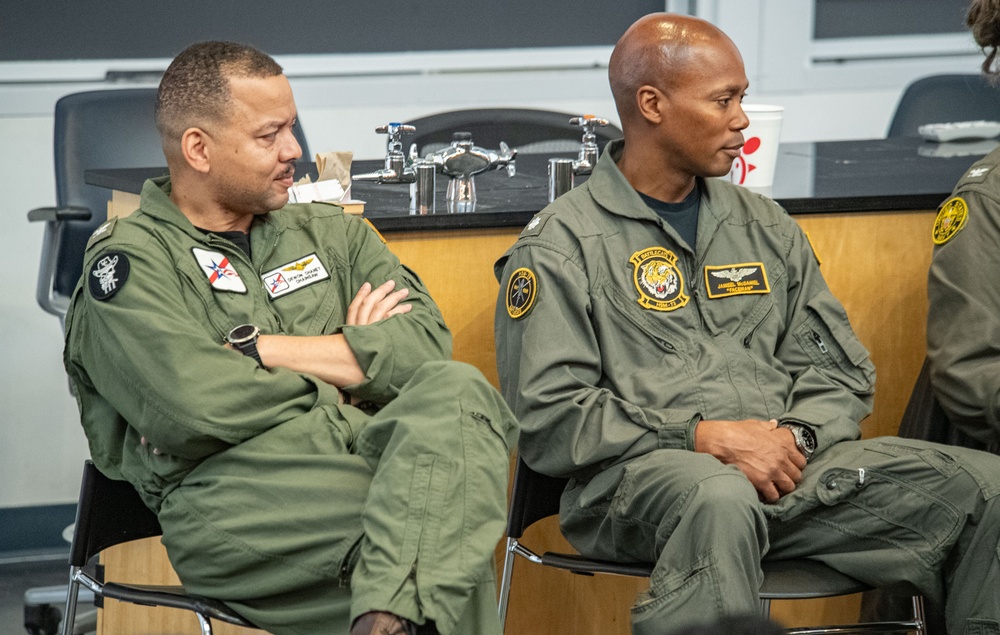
pixel 945 99
pixel 530 131
pixel 93 129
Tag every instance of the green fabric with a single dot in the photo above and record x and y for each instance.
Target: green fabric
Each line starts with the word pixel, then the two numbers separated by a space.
pixel 963 323
pixel 608 391
pixel 625 380
pixel 269 492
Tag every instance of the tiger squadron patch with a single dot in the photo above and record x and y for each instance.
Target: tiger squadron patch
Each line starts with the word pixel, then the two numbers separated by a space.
pixel 658 280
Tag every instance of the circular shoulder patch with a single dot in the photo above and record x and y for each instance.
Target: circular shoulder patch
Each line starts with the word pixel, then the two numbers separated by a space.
pixel 521 290
pixel 108 275
pixel 950 220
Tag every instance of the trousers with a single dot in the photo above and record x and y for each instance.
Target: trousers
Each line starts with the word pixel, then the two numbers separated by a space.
pixel 317 521
pixel 895 513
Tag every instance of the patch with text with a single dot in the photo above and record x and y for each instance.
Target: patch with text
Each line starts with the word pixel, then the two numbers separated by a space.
pixel 741 279
pixel 950 220
pixel 521 291
pixel 658 280
pixel 294 275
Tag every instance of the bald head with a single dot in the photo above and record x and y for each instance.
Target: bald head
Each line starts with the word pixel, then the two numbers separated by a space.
pixel 654 51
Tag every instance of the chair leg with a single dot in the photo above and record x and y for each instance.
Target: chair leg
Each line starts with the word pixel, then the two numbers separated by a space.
pixel 69 614
pixel 765 608
pixel 918 614
pixel 205 623
pixel 508 569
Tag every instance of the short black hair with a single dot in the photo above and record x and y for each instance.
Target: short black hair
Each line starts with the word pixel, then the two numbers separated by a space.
pixel 195 91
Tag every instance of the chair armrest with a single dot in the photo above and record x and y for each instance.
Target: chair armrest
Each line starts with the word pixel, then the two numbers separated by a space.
pixel 58 214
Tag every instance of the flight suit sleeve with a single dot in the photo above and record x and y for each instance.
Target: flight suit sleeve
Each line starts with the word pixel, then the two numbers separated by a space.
pixel 833 377
pixel 390 351
pixel 550 371
pixel 165 372
pixel 963 322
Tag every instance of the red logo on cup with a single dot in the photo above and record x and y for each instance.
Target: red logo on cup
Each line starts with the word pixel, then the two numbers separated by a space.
pixel 741 167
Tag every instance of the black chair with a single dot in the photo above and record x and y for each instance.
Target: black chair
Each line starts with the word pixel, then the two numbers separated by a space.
pixel 110 513
pixel 93 129
pixel 529 131
pixel 536 496
pixel 944 99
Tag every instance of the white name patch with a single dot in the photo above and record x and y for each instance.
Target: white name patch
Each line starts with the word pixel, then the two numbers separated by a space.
pixel 294 275
pixel 220 273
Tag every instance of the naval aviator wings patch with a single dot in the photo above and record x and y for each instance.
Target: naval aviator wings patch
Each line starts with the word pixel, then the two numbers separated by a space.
pixel 294 275
pixel 741 279
pixel 220 273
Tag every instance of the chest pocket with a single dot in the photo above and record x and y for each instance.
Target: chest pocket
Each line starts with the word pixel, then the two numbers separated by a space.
pixel 306 293
pixel 220 309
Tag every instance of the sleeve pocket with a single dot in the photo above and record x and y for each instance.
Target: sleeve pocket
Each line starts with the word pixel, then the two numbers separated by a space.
pixel 826 338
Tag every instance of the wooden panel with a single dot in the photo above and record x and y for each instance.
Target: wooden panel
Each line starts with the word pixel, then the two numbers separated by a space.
pixel 875 263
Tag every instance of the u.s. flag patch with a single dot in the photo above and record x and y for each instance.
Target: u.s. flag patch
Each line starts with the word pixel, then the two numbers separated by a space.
pixel 220 272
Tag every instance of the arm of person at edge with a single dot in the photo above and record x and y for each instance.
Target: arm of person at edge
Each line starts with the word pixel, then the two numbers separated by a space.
pixel 964 361
pixel 572 426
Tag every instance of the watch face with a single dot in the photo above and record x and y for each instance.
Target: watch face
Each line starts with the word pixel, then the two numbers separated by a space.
pixel 242 332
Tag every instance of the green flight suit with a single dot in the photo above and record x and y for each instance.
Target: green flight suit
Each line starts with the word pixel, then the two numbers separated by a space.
pixel 615 338
pixel 963 322
pixel 299 511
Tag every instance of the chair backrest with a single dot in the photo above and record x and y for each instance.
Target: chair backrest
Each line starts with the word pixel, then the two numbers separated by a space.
pixel 535 496
pixel 944 99
pixel 97 129
pixel 109 512
pixel 530 131
pixel 93 130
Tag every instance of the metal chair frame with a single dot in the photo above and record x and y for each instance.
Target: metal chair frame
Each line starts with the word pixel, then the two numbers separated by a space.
pixel 110 513
pixel 536 496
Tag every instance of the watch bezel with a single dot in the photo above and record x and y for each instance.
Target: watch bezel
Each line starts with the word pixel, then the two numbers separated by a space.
pixel 243 334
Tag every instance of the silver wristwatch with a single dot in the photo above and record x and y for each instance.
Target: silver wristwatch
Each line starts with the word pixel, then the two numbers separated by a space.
pixel 244 339
pixel 805 438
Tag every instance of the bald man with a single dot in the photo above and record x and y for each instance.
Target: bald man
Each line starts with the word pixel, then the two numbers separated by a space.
pixel 668 343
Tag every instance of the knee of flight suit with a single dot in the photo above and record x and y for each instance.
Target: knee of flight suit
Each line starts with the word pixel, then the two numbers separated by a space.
pixel 476 396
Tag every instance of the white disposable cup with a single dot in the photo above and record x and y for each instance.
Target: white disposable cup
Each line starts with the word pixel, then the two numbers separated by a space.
pixel 755 165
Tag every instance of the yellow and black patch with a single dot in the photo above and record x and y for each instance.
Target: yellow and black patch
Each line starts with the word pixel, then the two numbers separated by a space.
pixel 741 279
pixel 377 232
pixel 522 288
pixel 950 220
pixel 658 280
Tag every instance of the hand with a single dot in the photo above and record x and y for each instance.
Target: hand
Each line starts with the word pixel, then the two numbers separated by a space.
pixel 765 453
pixel 370 306
pixel 144 442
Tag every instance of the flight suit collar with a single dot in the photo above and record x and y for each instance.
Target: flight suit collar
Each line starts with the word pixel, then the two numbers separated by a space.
pixel 156 203
pixel 612 191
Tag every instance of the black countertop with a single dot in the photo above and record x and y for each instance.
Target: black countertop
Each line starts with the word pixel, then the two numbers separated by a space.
pixel 904 173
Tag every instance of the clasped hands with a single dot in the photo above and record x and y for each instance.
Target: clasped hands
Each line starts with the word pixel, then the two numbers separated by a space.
pixel 765 453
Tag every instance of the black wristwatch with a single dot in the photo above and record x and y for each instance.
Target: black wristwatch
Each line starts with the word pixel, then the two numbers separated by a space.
pixel 805 438
pixel 244 339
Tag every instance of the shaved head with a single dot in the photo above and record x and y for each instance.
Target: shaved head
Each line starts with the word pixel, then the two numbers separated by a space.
pixel 654 51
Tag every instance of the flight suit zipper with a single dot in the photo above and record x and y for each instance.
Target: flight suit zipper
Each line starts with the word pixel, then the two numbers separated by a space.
pixel 820 343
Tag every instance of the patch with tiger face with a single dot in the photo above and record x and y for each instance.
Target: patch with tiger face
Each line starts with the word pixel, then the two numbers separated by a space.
pixel 658 280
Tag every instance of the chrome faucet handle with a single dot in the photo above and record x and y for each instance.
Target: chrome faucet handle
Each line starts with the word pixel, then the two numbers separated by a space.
pixel 507 158
pixel 396 169
pixel 587 158
pixel 395 131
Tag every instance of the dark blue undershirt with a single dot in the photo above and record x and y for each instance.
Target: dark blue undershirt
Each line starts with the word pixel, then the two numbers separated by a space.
pixel 683 216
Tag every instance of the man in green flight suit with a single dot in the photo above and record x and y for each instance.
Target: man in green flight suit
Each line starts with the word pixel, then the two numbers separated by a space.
pixel 668 344
pixel 277 386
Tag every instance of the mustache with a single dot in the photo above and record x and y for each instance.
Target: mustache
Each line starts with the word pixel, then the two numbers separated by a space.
pixel 289 170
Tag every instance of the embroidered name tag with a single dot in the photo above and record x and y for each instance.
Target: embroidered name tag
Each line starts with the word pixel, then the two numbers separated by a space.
pixel 221 275
pixel 294 275
pixel 741 279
